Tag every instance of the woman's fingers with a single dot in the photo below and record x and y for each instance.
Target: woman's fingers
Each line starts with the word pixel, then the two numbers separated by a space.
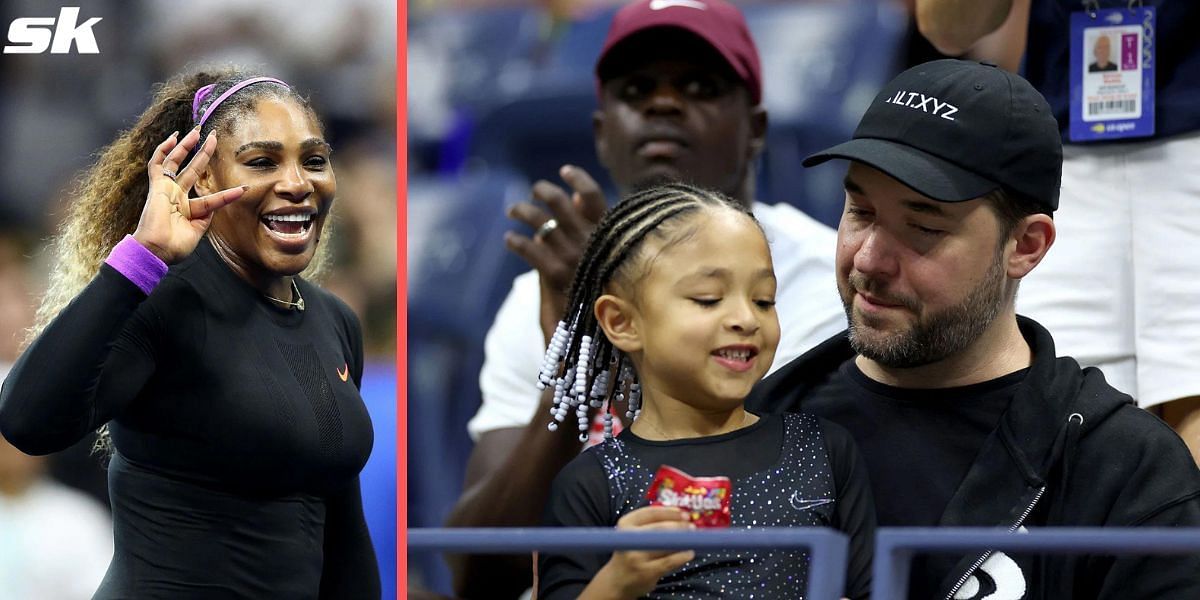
pixel 187 177
pixel 175 157
pixel 171 223
pixel 160 152
pixel 204 206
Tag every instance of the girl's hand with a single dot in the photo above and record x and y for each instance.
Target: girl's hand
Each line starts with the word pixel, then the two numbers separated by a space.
pixel 634 573
pixel 172 224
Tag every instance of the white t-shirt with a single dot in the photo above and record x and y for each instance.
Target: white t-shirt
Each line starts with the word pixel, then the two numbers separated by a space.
pixel 810 312
pixel 55 544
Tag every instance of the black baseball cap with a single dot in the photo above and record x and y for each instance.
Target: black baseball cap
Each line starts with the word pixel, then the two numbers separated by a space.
pixel 956 130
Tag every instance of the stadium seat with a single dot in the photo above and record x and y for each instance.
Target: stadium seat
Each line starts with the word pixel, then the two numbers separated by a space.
pixel 458 274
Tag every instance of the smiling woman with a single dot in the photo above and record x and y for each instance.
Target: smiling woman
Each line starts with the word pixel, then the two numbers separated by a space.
pixel 178 319
pixel 282 157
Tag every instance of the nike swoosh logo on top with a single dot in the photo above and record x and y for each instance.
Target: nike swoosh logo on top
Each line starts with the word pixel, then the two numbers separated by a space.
pixel 661 4
pixel 344 374
pixel 799 503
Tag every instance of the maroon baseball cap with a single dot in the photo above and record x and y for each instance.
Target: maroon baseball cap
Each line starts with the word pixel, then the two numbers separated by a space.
pixel 716 22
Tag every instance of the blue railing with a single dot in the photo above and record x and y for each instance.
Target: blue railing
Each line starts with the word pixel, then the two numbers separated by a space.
pixel 894 547
pixel 827 548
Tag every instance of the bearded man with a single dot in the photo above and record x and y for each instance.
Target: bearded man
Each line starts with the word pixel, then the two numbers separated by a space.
pixel 961 408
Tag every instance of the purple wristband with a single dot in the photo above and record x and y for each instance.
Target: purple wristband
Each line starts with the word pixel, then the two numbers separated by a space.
pixel 139 265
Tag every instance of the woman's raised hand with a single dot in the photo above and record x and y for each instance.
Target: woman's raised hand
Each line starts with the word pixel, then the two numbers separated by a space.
pixel 172 224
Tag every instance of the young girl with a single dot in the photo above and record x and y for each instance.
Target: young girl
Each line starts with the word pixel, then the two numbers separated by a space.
pixel 672 313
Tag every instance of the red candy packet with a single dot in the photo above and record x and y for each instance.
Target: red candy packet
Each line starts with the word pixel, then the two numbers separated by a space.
pixel 705 498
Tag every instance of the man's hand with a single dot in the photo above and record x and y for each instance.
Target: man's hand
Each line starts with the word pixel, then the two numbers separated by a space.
pixel 556 248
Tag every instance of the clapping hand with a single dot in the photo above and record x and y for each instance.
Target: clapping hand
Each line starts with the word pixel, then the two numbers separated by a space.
pixel 562 229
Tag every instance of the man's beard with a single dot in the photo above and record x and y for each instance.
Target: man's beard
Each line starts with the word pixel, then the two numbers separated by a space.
pixel 933 337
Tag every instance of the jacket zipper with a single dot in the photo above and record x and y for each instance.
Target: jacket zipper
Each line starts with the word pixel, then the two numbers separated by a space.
pixel 1024 515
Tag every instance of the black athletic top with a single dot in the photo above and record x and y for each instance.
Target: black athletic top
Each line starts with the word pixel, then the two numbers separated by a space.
pixel 786 470
pixel 238 428
pixel 917 444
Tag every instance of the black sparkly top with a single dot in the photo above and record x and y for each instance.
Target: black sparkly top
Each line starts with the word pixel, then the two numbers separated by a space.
pixel 786 470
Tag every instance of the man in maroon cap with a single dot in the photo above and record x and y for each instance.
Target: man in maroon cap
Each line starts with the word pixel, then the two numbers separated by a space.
pixel 680 91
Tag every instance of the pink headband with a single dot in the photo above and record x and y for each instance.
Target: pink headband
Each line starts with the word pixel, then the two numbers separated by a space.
pixel 205 91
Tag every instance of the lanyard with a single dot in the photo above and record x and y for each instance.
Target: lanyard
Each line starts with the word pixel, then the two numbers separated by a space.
pixel 1111 99
pixel 1091 6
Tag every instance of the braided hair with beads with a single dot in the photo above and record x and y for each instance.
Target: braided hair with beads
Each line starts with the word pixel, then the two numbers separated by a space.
pixel 582 367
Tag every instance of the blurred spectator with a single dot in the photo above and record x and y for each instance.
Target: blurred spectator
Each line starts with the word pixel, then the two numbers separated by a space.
pixel 21 284
pixel 55 542
pixel 364 239
pixel 16 295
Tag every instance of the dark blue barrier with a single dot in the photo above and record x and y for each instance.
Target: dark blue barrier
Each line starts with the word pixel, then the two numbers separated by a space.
pixel 895 547
pixel 827 548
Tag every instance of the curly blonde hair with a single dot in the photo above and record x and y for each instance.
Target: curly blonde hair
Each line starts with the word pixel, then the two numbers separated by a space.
pixel 107 198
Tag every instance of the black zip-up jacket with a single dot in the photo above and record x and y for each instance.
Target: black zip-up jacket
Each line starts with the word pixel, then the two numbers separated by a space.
pixel 1069 451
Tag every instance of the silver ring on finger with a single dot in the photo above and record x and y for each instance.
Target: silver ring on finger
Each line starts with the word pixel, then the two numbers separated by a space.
pixel 547 227
pixel 171 174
